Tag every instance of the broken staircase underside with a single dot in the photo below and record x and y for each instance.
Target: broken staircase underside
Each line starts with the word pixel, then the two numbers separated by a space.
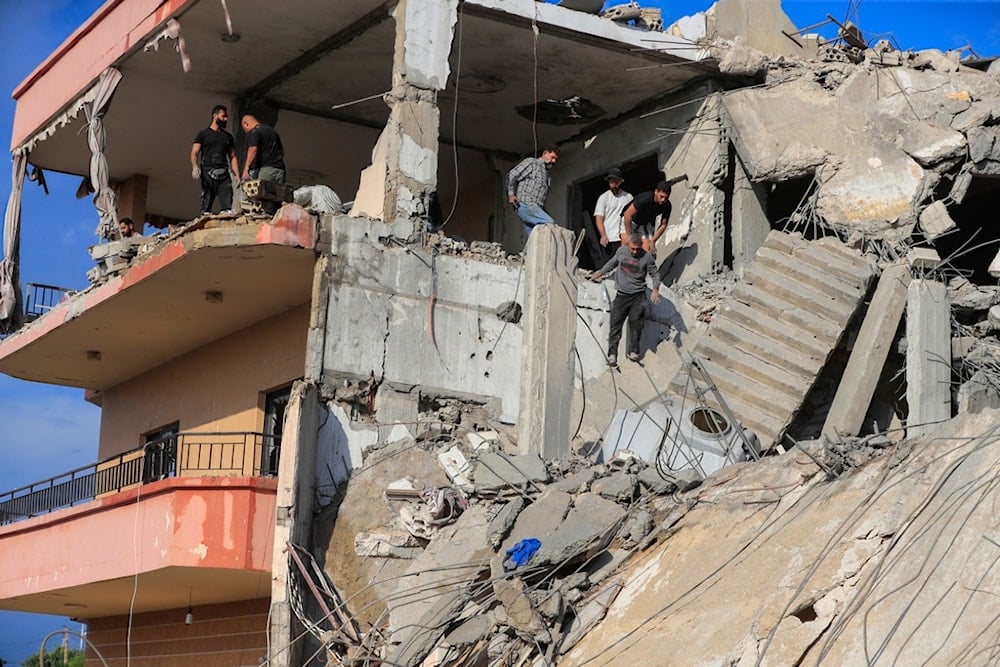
pixel 769 341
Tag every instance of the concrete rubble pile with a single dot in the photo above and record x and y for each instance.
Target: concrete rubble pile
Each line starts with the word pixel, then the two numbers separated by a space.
pixel 427 567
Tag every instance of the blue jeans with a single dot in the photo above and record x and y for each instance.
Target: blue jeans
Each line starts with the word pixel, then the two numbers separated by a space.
pixel 531 215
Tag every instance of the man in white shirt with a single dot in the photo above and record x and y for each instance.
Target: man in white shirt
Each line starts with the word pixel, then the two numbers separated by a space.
pixel 608 212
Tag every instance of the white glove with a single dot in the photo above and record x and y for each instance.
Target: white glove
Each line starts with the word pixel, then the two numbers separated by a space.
pixel 196 173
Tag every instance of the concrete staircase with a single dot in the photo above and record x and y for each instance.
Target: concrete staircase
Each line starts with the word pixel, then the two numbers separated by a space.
pixel 769 341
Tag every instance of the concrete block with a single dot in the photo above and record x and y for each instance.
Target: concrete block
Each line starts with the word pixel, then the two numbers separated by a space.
pixel 499 472
pixel 869 354
pixel 548 343
pixel 923 258
pixel 578 482
pixel 519 612
pixel 651 480
pixel 980 113
pixel 635 529
pixel 540 518
pixel 587 529
pixel 977 394
pixel 929 145
pixel 619 487
pixel 928 356
pixel 935 221
pixel 981 142
pixel 961 346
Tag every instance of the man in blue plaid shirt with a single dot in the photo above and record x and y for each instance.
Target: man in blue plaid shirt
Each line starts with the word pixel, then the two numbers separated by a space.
pixel 527 185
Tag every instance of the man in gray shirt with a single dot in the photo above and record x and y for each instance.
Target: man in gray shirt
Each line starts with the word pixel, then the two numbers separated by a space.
pixel 634 265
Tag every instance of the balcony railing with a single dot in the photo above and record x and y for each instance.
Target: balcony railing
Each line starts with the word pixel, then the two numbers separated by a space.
pixel 40 299
pixel 177 455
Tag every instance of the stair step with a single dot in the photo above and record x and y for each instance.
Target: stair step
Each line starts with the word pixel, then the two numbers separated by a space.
pixel 807 298
pixel 825 331
pixel 807 274
pixel 768 350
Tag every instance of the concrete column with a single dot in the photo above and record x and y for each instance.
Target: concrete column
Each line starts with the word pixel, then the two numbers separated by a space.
pixel 132 200
pixel 420 69
pixel 750 224
pixel 547 359
pixel 293 520
pixel 869 354
pixel 928 355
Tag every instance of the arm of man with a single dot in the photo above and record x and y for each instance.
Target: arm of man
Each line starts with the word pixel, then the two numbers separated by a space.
pixel 654 275
pixel 195 152
pixel 600 212
pixel 251 156
pixel 514 177
pixel 233 164
pixel 627 219
pixel 606 269
pixel 664 218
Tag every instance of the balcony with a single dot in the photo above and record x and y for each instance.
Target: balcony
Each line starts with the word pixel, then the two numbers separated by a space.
pixel 179 513
pixel 178 455
pixel 199 285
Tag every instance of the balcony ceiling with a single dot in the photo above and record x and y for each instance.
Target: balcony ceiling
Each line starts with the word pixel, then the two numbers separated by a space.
pixel 163 589
pixel 158 108
pixel 158 310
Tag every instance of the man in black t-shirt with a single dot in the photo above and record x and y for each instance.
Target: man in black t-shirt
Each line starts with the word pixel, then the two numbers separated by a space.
pixel 213 162
pixel 265 155
pixel 641 215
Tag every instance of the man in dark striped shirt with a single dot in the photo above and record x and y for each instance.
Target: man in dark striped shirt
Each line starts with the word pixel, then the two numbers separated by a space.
pixel 527 186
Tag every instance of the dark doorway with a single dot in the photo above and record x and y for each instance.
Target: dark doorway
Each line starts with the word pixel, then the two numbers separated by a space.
pixel 160 453
pixel 641 175
pixel 973 244
pixel 275 408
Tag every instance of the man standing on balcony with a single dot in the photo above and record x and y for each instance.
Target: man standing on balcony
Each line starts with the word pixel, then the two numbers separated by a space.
pixel 213 162
pixel 527 186
pixel 265 155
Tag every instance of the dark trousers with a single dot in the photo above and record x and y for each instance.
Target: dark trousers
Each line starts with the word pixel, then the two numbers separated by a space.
pixel 632 306
pixel 611 249
pixel 212 188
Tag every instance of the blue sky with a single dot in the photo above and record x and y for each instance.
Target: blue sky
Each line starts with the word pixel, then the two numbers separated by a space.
pixel 47 430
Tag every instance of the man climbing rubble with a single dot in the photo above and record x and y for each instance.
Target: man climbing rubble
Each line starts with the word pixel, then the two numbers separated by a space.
pixel 633 264
pixel 642 215
pixel 527 186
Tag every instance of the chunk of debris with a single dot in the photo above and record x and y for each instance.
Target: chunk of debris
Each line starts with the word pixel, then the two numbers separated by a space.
pixel 387 544
pixel 923 258
pixel 457 467
pixel 619 486
pixel 587 529
pixel 935 221
pixel 502 521
pixel 498 473
pixel 589 616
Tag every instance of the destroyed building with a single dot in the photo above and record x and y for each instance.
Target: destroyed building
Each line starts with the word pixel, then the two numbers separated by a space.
pixel 332 437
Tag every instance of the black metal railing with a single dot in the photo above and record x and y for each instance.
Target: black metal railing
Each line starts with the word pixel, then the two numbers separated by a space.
pixel 40 299
pixel 177 455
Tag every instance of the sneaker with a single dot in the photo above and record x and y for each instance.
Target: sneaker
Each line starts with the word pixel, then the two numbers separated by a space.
pixel 633 356
pixel 612 360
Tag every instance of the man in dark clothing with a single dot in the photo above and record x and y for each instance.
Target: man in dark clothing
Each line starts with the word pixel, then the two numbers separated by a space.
pixel 634 264
pixel 265 154
pixel 642 213
pixel 213 155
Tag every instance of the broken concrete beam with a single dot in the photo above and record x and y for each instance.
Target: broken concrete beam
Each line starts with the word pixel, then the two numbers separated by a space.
pixel 498 473
pixel 587 529
pixel 503 520
pixel 436 586
pixel 935 221
pixel 928 356
pixel 869 354
pixel 548 343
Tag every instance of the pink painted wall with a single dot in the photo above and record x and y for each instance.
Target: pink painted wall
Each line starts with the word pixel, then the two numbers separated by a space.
pixel 216 522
